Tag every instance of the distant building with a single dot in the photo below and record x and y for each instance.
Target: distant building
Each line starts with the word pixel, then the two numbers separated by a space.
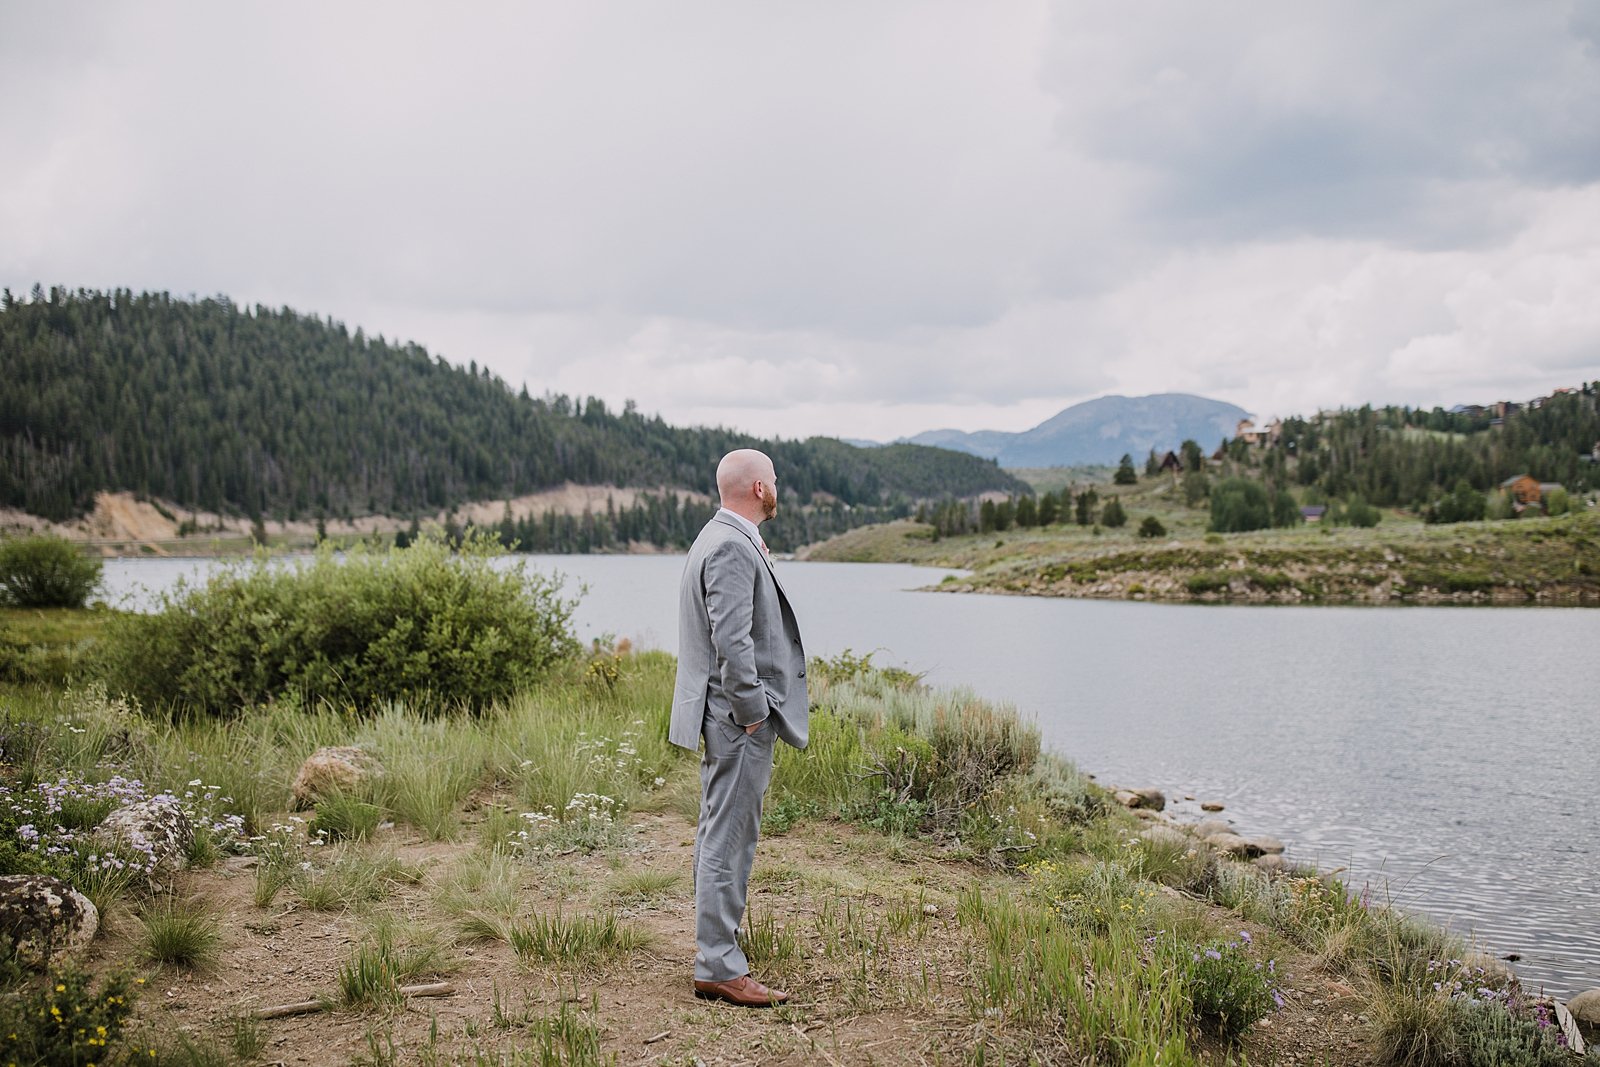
pixel 1172 462
pixel 1527 491
pixel 1313 512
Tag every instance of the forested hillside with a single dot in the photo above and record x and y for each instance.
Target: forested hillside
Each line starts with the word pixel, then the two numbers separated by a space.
pixel 269 412
pixel 1397 456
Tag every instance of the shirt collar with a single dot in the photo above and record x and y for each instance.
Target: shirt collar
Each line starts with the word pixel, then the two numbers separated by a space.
pixel 748 526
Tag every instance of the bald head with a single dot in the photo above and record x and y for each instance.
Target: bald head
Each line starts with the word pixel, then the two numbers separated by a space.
pixel 748 485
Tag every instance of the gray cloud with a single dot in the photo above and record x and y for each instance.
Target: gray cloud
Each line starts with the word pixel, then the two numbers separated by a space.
pixel 877 214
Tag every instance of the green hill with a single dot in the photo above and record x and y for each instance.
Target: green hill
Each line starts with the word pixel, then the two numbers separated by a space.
pixel 270 412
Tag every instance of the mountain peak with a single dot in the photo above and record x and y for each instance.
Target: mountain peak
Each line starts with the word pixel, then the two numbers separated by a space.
pixel 1101 430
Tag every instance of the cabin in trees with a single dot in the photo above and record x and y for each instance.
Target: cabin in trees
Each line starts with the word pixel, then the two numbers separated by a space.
pixel 1313 512
pixel 1527 491
pixel 1174 463
pixel 1247 432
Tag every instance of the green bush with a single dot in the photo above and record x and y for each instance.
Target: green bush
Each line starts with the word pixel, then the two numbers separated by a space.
pixel 46 572
pixel 1113 515
pixel 1238 504
pixel 418 624
pixel 1229 990
pixel 1150 526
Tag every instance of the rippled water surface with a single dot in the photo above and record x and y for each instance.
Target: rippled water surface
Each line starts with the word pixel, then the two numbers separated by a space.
pixel 1448 755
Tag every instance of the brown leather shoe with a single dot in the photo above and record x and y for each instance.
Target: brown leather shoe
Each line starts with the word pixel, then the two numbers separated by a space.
pixel 746 992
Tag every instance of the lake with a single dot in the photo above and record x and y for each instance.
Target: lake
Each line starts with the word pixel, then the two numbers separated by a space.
pixel 1446 755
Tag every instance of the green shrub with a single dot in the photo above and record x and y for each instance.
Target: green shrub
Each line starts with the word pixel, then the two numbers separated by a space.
pixel 1229 990
pixel 46 572
pixel 1485 1034
pixel 1150 526
pixel 1113 514
pixel 418 624
pixel 1207 582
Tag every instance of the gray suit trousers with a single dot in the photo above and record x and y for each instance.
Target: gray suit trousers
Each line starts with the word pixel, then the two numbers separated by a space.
pixel 734 772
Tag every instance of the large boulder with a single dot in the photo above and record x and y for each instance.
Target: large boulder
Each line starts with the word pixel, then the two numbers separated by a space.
pixel 1585 1009
pixel 1234 845
pixel 43 919
pixel 1270 846
pixel 330 770
pixel 1151 799
pixel 156 832
pixel 1206 827
pixel 1166 835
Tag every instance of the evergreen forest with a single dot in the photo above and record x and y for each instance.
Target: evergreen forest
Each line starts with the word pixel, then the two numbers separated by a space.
pixel 265 412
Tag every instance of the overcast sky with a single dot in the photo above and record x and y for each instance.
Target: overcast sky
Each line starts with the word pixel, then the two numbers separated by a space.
pixel 857 218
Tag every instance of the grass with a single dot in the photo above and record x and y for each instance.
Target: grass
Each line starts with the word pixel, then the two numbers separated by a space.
pixel 578 941
pixel 644 887
pixel 179 933
pixel 395 954
pixel 979 883
pixel 340 818
pixel 351 876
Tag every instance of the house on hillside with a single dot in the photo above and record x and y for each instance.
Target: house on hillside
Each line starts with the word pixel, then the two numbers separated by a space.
pixel 1313 512
pixel 1172 462
pixel 1526 491
pixel 1250 434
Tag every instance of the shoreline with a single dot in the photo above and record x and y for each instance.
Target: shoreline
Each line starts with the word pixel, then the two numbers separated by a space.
pixel 1540 562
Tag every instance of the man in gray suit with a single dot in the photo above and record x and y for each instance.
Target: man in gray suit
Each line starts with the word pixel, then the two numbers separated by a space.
pixel 741 686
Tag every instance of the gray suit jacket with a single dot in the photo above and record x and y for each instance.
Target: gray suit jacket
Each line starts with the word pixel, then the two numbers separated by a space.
pixel 739 650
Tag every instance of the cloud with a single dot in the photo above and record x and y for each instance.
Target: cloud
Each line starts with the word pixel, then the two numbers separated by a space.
pixel 863 220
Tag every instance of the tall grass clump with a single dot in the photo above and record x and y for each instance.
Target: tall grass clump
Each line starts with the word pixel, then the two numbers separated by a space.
pixel 583 939
pixel 180 934
pixel 429 624
pixel 429 767
pixel 894 755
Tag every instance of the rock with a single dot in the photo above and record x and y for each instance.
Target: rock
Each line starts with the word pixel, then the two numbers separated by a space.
pixel 1585 1009
pixel 1210 805
pixel 44 919
pixel 1270 846
pixel 333 769
pixel 1206 827
pixel 1166 835
pixel 1233 845
pixel 1272 863
pixel 1152 799
pixel 156 828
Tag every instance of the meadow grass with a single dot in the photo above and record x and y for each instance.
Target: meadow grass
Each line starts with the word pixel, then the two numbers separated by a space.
pixel 350 875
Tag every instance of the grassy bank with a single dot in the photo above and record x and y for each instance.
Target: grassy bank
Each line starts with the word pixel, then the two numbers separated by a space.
pixel 1531 561
pixel 930 887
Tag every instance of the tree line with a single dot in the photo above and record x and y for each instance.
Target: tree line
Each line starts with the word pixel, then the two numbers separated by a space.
pixel 267 412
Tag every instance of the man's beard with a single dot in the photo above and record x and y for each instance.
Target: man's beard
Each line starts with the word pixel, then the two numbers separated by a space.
pixel 769 501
